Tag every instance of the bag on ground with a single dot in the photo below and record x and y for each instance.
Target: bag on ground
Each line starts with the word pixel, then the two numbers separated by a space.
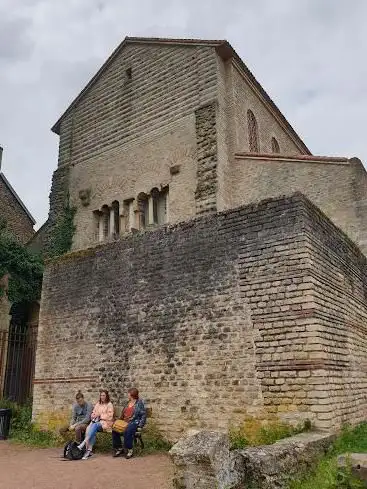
pixel 72 452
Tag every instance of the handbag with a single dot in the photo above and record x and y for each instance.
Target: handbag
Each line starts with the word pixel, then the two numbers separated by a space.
pixel 119 425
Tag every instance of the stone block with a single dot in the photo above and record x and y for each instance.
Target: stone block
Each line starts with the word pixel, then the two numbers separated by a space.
pixel 357 462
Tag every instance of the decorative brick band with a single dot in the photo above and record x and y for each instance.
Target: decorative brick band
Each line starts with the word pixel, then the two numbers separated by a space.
pixel 60 380
pixel 207 159
pixel 292 158
pixel 304 365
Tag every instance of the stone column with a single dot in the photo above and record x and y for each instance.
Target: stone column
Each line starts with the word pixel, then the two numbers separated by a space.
pixel 112 222
pixel 150 210
pixel 131 221
pixel 100 227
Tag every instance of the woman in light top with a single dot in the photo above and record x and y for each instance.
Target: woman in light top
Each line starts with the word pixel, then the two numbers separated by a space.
pixel 101 419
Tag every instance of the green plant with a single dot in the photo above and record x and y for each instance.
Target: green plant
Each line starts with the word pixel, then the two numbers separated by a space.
pixel 63 232
pixel 255 432
pixel 24 269
pixel 327 475
pixel 23 431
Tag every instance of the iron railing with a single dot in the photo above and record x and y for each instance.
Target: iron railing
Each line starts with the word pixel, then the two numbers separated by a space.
pixel 17 360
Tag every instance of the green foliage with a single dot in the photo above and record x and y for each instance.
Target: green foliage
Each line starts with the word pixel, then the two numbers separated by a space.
pixel 63 232
pixel 25 269
pixel 153 441
pixel 327 475
pixel 23 431
pixel 255 432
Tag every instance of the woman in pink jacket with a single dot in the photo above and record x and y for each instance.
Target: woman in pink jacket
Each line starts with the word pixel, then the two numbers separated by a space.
pixel 101 419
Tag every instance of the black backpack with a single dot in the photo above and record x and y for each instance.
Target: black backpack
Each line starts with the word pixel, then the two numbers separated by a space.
pixel 72 452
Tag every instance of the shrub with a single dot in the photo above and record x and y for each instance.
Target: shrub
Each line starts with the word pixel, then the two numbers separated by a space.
pixel 22 430
pixel 255 432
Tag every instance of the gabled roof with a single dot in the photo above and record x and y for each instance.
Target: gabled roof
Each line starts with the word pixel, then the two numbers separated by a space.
pixel 224 50
pixel 16 196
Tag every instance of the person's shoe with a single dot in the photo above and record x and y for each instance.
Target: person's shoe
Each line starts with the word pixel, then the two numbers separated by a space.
pixel 129 453
pixel 118 452
pixel 87 455
pixel 81 445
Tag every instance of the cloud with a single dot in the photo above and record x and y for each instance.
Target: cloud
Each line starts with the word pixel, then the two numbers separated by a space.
pixel 309 55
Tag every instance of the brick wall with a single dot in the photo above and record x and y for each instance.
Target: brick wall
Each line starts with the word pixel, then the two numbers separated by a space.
pixel 258 308
pixel 16 218
pixel 339 188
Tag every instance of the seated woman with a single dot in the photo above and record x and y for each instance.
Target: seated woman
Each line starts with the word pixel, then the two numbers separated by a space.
pixel 134 413
pixel 101 419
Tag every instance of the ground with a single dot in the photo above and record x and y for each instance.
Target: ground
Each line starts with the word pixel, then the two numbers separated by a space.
pixel 31 468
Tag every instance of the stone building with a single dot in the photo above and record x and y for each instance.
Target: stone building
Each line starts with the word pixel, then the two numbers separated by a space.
pixel 170 129
pixel 225 305
pixel 13 212
pixel 19 222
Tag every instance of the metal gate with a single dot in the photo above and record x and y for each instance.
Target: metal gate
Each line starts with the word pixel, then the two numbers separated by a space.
pixel 17 360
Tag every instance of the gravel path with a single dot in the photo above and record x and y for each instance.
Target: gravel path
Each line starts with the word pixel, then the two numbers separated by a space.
pixel 31 468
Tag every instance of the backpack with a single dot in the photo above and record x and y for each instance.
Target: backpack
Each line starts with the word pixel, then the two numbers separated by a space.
pixel 72 452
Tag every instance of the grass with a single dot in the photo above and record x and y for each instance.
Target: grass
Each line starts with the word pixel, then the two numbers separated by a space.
pixel 23 431
pixel 327 475
pixel 255 432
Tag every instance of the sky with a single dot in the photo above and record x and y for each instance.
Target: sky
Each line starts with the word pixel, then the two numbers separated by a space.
pixel 310 56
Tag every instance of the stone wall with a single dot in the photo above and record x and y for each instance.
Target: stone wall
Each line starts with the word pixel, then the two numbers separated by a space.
pixel 337 185
pixel 245 97
pixel 264 305
pixel 204 460
pixel 14 215
pixel 133 125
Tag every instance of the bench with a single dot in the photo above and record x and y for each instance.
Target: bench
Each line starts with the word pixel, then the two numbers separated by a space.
pixel 138 438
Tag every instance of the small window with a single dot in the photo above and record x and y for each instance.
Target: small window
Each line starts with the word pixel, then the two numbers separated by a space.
pixel 253 133
pixel 275 146
pixel 129 74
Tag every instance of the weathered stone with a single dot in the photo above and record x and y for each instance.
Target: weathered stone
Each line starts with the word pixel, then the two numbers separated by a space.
pixel 203 461
pixel 357 462
pixel 273 466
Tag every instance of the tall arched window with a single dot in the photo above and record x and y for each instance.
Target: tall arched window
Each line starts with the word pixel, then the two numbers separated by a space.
pixel 274 145
pixel 253 133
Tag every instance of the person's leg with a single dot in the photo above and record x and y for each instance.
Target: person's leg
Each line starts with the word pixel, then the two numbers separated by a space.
pixel 116 440
pixel 117 443
pixel 91 438
pixel 92 435
pixel 129 438
pixel 64 430
pixel 80 432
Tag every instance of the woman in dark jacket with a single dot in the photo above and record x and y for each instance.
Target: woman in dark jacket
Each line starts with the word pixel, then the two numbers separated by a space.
pixel 134 413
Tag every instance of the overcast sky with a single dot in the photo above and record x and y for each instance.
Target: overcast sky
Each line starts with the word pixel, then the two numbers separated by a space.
pixel 310 55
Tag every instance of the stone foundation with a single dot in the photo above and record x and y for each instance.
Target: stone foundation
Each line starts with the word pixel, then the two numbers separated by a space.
pixel 203 460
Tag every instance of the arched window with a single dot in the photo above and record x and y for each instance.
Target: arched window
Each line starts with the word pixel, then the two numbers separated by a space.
pixel 274 145
pixel 253 133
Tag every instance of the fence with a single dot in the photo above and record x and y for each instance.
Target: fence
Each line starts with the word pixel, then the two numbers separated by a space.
pixel 17 359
